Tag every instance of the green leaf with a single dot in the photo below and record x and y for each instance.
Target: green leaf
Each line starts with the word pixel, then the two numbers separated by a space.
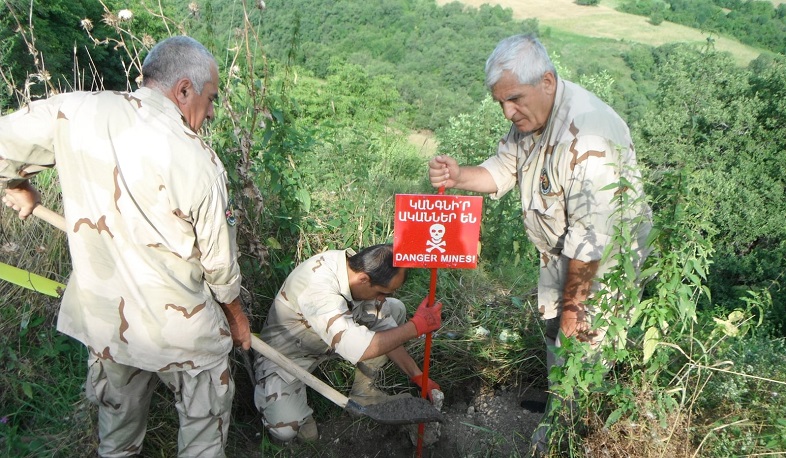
pixel 305 199
pixel 27 389
pixel 651 340
pixel 273 243
pixel 614 417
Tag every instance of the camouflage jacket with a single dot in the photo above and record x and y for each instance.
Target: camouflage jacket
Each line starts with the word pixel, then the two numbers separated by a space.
pixel 145 203
pixel 566 176
pixel 314 314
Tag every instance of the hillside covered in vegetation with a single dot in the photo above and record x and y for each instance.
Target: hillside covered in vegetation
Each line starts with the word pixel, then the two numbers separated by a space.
pixel 318 100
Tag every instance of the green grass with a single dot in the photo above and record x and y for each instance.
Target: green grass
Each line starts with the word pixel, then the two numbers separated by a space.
pixel 603 21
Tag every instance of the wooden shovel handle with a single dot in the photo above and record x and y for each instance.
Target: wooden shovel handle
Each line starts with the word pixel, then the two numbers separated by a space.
pixel 294 369
pixel 55 219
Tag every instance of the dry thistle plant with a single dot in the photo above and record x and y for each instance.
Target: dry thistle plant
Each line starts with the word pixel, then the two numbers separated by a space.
pixel 40 75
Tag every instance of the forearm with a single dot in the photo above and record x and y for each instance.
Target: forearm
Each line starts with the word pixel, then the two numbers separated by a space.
pixel 387 341
pixel 577 289
pixel 404 361
pixel 238 323
pixel 476 179
pixel 579 281
pixel 216 241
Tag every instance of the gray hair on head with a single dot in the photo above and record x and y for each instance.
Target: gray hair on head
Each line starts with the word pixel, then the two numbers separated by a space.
pixel 522 55
pixel 175 58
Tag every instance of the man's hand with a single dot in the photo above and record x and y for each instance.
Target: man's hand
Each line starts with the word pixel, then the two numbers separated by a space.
pixel 22 199
pixel 574 323
pixel 427 319
pixel 431 384
pixel 238 323
pixel 443 171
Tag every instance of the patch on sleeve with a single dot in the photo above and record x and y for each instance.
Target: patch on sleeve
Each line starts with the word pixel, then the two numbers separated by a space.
pixel 230 212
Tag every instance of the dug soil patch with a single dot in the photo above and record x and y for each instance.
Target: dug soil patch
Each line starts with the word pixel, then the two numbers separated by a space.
pixel 481 421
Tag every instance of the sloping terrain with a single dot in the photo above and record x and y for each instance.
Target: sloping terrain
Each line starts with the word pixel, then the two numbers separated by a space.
pixel 603 21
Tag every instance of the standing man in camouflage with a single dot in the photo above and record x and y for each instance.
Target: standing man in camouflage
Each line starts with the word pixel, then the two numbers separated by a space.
pixel 337 304
pixel 154 292
pixel 565 151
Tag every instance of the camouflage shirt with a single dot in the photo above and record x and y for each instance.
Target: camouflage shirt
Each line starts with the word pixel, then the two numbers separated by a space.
pixel 145 203
pixel 314 314
pixel 566 176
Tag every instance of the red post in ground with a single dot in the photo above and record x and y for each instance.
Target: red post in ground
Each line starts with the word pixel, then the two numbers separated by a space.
pixel 432 297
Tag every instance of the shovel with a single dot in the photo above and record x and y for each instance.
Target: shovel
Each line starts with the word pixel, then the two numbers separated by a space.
pixel 395 412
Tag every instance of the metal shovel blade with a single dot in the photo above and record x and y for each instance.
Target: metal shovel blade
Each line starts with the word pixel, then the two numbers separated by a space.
pixel 401 411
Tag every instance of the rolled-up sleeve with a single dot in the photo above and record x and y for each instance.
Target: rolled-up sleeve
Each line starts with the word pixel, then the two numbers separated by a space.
pixel 27 141
pixel 217 244
pixel 594 168
pixel 502 166
pixel 330 317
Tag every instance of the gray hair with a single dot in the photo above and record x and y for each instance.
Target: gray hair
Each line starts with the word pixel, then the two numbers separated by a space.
pixel 176 58
pixel 522 55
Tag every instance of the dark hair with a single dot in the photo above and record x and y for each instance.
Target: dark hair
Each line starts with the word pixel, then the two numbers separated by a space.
pixel 376 262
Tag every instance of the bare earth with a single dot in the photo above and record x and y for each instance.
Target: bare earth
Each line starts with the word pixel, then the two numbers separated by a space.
pixel 602 21
pixel 482 422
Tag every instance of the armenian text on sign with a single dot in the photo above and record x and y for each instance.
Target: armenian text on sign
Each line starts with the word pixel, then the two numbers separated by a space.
pixel 434 231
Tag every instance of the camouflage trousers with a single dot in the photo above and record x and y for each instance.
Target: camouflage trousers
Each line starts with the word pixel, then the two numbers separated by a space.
pixel 282 400
pixel 122 393
pixel 555 405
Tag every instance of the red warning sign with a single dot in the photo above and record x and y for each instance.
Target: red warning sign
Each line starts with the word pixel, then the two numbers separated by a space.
pixel 433 231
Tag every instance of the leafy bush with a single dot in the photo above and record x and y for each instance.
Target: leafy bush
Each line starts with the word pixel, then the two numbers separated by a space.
pixel 711 123
pixel 438 62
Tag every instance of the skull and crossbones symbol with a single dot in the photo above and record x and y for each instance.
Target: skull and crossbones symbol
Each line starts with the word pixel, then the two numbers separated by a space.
pixel 437 232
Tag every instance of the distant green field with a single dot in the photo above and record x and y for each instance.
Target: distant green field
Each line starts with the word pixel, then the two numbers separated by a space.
pixel 603 21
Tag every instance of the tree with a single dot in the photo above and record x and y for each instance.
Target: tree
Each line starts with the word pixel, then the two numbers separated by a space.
pixel 716 124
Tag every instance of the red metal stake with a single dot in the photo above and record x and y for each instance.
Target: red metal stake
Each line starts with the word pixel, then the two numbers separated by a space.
pixel 432 295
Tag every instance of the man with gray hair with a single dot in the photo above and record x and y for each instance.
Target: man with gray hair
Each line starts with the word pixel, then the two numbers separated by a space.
pixel 154 291
pixel 573 160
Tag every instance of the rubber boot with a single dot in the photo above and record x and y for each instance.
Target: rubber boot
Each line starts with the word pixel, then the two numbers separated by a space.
pixel 363 391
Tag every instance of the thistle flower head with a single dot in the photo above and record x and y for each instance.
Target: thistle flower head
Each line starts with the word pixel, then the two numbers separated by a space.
pixel 110 19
